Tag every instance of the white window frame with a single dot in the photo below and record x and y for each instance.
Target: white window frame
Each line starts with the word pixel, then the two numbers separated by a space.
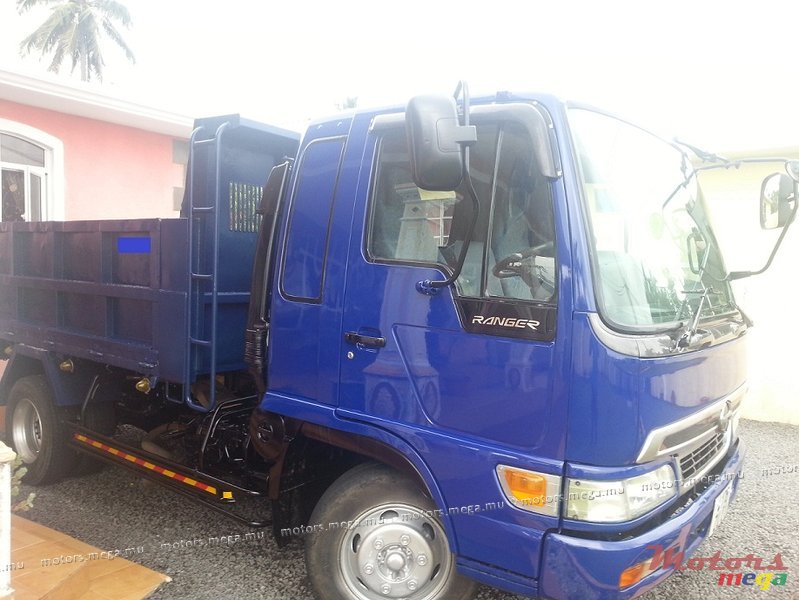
pixel 52 174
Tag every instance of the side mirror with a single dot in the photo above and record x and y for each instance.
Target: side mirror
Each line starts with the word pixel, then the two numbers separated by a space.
pixel 778 198
pixel 435 140
pixel 792 167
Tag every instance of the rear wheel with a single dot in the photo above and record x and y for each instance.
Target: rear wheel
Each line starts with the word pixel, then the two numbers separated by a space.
pixel 36 431
pixel 380 538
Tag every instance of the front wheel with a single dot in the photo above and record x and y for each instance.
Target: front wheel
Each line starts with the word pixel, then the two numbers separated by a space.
pixel 378 536
pixel 36 430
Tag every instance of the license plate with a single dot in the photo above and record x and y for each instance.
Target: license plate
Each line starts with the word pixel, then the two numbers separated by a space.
pixel 720 507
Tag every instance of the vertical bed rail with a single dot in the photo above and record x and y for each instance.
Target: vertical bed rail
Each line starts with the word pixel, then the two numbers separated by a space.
pixel 199 281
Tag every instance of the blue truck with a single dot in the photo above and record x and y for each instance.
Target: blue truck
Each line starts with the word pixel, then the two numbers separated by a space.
pixel 447 343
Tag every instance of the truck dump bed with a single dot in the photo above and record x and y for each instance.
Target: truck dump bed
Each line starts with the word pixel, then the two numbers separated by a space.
pixel 109 291
pixel 165 298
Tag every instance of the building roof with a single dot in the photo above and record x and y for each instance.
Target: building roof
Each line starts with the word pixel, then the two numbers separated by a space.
pixel 84 101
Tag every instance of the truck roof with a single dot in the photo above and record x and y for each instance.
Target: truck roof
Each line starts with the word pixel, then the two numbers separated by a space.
pixel 549 100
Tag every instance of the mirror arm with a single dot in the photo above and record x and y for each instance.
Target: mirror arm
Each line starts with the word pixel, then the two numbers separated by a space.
pixel 732 276
pixel 432 287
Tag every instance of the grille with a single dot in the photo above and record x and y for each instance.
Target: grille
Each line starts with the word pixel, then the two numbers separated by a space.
pixel 695 462
pixel 244 201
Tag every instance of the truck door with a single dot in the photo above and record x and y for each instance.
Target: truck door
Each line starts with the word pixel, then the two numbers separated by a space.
pixel 304 332
pixel 480 359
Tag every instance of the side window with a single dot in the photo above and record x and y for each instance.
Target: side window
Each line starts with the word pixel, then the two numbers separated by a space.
pixel 413 225
pixel 522 246
pixel 408 223
pixel 512 251
pixel 22 171
pixel 309 219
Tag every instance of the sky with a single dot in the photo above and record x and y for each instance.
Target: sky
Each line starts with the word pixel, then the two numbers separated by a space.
pixel 722 75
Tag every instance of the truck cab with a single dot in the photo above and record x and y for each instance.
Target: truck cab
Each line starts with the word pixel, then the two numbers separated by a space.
pixel 555 402
pixel 490 342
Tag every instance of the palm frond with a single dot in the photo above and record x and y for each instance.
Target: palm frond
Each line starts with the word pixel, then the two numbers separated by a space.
pixel 74 30
pixel 43 39
pixel 59 53
pixel 25 5
pixel 114 34
pixel 113 10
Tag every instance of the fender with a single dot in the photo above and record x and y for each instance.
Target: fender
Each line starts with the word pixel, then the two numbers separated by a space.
pixel 69 388
pixel 17 366
pixel 352 437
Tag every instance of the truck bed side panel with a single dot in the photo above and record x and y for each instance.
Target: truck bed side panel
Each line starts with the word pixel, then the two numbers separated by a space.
pixel 108 291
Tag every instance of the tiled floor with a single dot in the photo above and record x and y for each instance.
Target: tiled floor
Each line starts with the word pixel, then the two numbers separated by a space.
pixel 72 579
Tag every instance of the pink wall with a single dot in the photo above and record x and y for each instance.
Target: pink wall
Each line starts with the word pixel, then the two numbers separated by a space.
pixel 110 171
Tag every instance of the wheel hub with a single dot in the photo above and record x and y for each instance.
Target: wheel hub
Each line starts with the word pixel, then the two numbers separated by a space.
pixel 398 556
pixel 394 552
pixel 395 562
pixel 26 430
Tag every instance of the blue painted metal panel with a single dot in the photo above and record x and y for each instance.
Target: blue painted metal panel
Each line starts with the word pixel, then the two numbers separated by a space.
pixel 490 575
pixel 303 359
pixel 247 152
pixel 133 245
pixel 309 218
pixel 617 400
pixel 68 289
pixel 572 205
pixel 69 389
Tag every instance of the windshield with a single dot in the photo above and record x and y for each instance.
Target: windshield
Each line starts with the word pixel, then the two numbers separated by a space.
pixel 656 260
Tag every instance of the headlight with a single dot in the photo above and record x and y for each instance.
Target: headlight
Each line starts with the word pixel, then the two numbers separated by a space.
pixel 616 501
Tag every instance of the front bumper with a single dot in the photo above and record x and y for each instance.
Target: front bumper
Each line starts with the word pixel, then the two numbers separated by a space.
pixel 579 568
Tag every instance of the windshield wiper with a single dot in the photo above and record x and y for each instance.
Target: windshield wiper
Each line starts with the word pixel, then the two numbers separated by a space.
pixel 687 337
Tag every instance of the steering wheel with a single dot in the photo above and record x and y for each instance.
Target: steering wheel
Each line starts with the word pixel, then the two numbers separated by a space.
pixel 511 266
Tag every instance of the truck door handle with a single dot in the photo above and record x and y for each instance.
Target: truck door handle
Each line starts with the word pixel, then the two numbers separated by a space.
pixel 364 340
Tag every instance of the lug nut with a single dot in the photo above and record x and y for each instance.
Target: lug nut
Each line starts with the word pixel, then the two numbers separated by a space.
pixel 386 589
pixel 412 585
pixel 378 544
pixel 369 569
pixel 405 540
pixel 421 560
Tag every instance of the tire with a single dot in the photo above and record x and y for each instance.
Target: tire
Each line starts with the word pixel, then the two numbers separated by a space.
pixel 390 546
pixel 35 428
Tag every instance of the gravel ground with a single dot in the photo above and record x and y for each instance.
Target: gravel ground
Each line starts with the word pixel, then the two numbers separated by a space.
pixel 115 510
